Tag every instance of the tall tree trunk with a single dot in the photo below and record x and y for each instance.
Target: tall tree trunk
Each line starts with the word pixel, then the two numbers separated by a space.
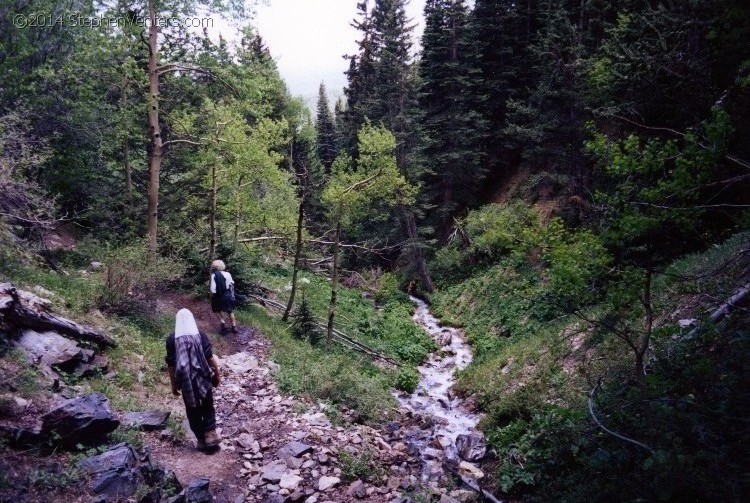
pixel 212 215
pixel 418 256
pixel 297 253
pixel 334 281
pixel 126 145
pixel 157 148
pixel 642 347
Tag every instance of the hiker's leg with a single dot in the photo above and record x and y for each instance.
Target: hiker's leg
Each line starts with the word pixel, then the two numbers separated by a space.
pixel 196 422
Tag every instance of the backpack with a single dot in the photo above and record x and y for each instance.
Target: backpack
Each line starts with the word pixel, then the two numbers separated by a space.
pixel 221 287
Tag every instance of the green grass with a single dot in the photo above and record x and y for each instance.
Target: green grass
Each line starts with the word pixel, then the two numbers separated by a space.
pixel 332 374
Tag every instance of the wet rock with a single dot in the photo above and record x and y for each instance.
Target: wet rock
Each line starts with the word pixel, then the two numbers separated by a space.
pixel 149 420
pixel 471 447
pixel 445 338
pixel 84 419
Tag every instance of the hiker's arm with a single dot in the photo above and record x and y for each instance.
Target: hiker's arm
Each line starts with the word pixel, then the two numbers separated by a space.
pixel 171 361
pixel 216 379
pixel 175 391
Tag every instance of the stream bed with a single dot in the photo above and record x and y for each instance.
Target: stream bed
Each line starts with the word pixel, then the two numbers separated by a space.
pixel 446 428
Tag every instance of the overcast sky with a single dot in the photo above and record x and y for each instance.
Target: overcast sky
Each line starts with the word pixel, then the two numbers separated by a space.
pixel 308 38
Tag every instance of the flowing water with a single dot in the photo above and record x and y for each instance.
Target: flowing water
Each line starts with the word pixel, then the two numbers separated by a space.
pixel 444 417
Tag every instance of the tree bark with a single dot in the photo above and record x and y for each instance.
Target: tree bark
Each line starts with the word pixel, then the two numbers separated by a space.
pixel 411 232
pixel 334 282
pixel 297 253
pixel 212 213
pixel 157 147
pixel 642 347
pixel 24 309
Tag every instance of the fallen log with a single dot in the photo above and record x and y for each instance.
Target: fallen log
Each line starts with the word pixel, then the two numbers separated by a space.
pixel 23 309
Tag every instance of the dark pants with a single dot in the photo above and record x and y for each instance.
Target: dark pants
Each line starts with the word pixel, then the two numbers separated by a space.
pixel 202 418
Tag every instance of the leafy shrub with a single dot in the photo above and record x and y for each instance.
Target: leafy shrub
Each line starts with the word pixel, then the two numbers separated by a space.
pixel 133 281
pixel 407 379
pixel 389 289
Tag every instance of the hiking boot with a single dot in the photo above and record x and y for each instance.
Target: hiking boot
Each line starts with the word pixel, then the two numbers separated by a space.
pixel 234 329
pixel 201 444
pixel 223 329
pixel 211 439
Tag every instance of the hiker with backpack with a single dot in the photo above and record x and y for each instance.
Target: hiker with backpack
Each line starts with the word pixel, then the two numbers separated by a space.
pixel 193 372
pixel 222 295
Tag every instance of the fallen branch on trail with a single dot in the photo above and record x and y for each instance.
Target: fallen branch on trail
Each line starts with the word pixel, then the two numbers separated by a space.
pixel 25 310
pixel 339 336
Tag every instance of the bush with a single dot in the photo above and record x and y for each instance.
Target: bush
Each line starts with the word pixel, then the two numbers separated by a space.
pixel 407 380
pixel 133 282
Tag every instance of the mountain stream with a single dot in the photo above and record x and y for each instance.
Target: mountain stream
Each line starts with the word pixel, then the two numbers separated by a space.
pixel 445 435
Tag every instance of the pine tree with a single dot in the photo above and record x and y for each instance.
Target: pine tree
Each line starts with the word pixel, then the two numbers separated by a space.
pixel 326 133
pixel 450 125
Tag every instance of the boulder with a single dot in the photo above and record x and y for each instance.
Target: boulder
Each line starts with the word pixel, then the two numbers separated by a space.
pixel 148 420
pixel 197 491
pixel 114 473
pixel 51 349
pixel 471 447
pixel 84 420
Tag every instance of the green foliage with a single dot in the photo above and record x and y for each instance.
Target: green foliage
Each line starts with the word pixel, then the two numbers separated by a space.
pixel 407 380
pixel 388 289
pixel 359 465
pixel 304 325
pixel 133 281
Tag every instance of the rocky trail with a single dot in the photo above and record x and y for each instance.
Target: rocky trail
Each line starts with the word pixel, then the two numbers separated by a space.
pixel 275 448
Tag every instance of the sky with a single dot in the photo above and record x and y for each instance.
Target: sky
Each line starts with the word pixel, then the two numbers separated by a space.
pixel 308 38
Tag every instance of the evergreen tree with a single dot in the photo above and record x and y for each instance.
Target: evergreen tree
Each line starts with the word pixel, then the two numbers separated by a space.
pixel 502 34
pixel 326 132
pixel 451 127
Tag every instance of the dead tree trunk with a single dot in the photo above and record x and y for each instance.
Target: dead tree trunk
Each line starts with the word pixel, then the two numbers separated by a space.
pixel 21 309
pixel 212 213
pixel 297 253
pixel 418 256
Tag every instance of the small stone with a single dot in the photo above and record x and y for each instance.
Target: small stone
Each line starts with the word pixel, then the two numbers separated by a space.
pixel 326 483
pixel 357 489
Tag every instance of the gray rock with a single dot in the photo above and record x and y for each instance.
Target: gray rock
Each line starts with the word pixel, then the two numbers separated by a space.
pixel 294 450
pixel 50 349
pixel 113 473
pixel 272 472
pixel 357 489
pixel 197 491
pixel 326 483
pixel 471 447
pixel 245 440
pixel 80 420
pixel 148 420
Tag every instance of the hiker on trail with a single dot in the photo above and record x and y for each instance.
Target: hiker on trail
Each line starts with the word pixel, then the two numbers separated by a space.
pixel 222 295
pixel 193 371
